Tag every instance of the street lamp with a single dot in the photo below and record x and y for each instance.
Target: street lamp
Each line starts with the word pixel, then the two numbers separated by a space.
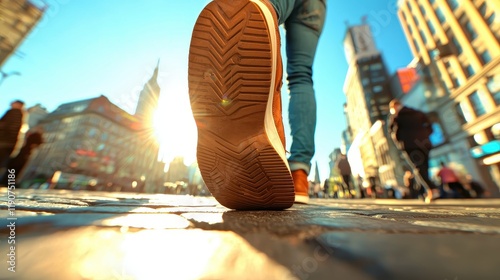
pixel 6 75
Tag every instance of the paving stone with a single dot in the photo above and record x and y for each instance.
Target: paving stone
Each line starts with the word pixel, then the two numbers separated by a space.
pixel 417 256
pixel 94 235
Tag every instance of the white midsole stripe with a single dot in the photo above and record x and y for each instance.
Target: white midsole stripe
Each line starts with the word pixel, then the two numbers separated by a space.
pixel 269 124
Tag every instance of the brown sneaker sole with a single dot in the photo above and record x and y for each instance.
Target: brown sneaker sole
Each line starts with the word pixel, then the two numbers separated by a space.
pixel 232 69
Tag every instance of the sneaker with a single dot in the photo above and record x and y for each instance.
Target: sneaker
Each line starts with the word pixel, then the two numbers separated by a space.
pixel 234 79
pixel 431 195
pixel 301 186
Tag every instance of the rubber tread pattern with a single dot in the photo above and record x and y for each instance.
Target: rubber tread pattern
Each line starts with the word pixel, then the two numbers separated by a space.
pixel 230 74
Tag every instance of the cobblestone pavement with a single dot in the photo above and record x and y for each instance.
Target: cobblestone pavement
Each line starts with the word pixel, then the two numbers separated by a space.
pixel 94 235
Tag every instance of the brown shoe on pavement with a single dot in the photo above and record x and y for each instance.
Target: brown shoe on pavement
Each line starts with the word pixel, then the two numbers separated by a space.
pixel 301 185
pixel 234 79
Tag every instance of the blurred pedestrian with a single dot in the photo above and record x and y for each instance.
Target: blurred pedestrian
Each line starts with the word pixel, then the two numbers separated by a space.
pixel 410 130
pixel 10 126
pixel 326 188
pixel 344 168
pixel 17 163
pixel 361 188
pixel 450 180
pixel 413 188
pixel 476 190
pixel 373 187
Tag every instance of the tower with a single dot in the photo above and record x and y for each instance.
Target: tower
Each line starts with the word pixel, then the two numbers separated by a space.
pixel 368 94
pixel 148 99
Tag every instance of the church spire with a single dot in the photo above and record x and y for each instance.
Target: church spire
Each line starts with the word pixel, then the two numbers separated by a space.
pixel 155 73
pixel 149 96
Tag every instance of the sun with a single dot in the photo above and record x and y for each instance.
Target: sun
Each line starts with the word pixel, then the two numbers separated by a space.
pixel 175 129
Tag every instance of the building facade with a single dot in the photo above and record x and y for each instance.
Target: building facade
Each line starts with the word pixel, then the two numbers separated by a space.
pixel 36 113
pixel 368 93
pixel 17 19
pixel 95 143
pixel 148 100
pixel 458 43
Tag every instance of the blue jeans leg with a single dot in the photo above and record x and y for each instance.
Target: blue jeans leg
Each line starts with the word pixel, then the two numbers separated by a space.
pixel 304 20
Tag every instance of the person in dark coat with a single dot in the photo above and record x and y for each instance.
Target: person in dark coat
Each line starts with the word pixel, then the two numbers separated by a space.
pixel 10 126
pixel 17 163
pixel 411 129
pixel 344 168
pixel 476 190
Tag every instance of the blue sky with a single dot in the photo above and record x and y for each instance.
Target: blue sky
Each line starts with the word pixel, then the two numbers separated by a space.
pixel 84 48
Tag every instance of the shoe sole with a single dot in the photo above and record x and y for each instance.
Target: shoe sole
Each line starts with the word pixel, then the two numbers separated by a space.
pixel 301 199
pixel 232 69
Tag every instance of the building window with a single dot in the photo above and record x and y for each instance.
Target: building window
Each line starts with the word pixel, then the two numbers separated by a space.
pixel 482 10
pixel 494 89
pixel 422 9
pixel 377 89
pixel 456 82
pixel 378 79
pixel 460 113
pixel 491 19
pixel 423 37
pixel 469 71
pixel 416 45
pixel 365 82
pixel 457 45
pixel 476 103
pixel 453 4
pixel 376 66
pixel 486 57
pixel 440 15
pixel 431 27
pixel 471 33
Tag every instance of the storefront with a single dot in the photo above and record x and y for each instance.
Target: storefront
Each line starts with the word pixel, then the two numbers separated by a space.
pixel 488 155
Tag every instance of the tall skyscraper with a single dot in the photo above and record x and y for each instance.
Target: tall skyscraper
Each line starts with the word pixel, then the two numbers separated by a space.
pixel 368 94
pixel 458 43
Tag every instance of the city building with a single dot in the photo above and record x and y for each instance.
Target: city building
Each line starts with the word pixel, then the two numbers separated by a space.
pixel 17 19
pixel 36 114
pixel 148 100
pixel 177 170
pixel 95 144
pixel 458 44
pixel 368 93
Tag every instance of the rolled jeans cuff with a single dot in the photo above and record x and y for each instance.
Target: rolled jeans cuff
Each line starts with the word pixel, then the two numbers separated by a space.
pixel 294 165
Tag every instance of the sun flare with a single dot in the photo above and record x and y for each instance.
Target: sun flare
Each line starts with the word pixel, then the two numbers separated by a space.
pixel 176 130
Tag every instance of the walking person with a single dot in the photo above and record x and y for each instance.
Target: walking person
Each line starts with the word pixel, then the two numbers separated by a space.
pixel 17 163
pixel 344 168
pixel 410 129
pixel 476 190
pixel 10 127
pixel 235 78
pixel 326 188
pixel 450 179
